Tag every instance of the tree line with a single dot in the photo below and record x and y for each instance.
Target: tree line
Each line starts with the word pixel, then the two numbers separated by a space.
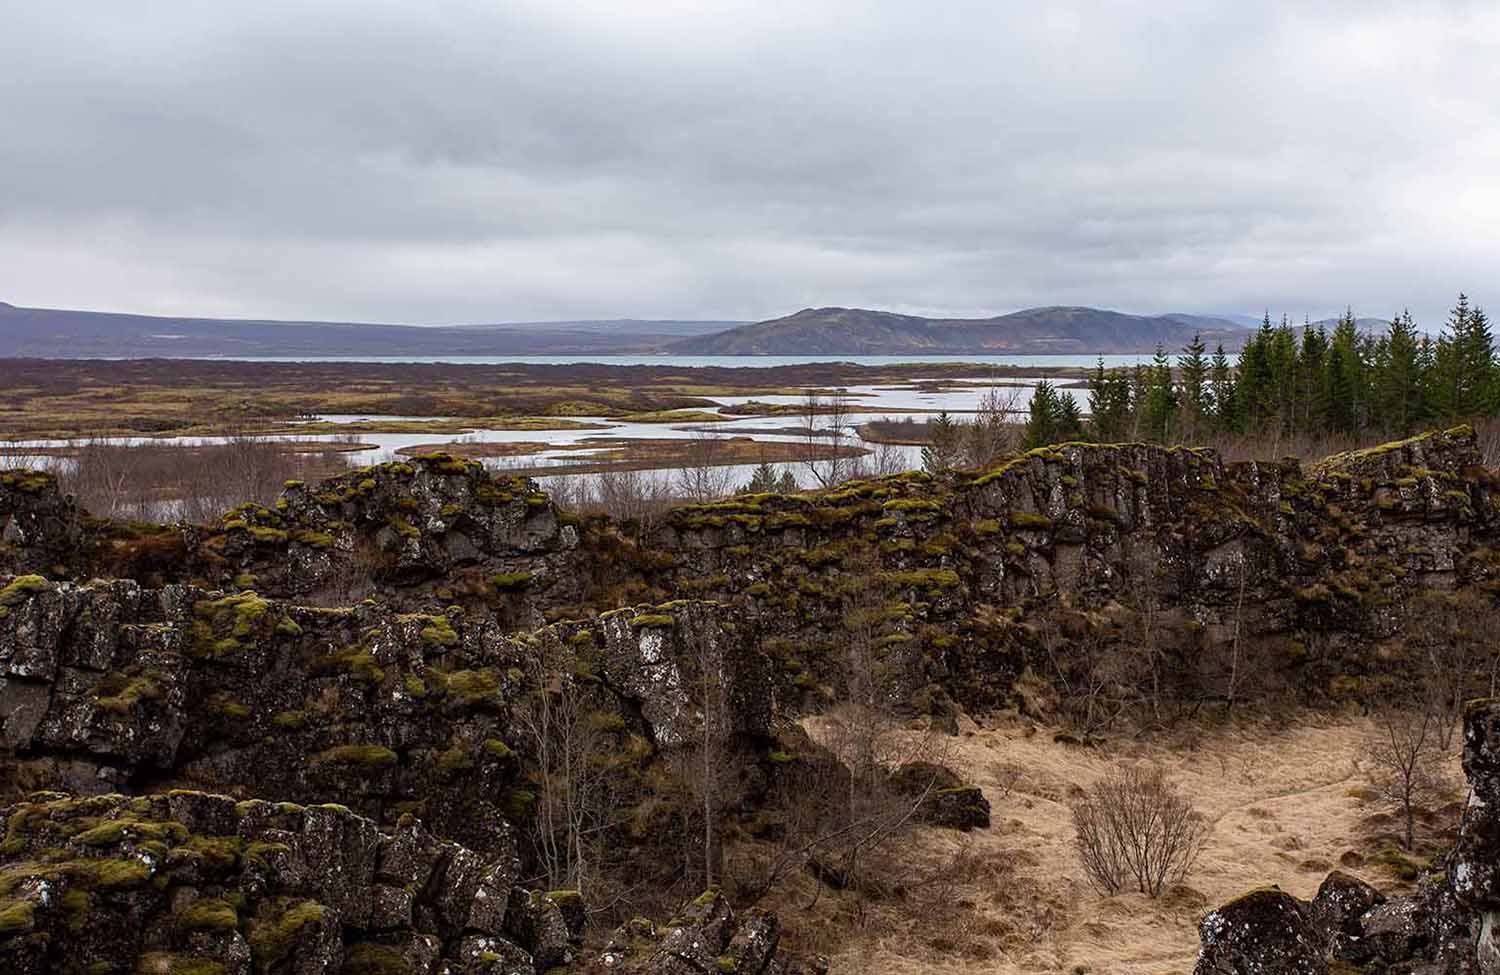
pixel 1288 380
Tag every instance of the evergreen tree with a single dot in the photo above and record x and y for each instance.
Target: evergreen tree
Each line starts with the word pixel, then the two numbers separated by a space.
pixel 1109 404
pixel 1398 379
pixel 1463 365
pixel 1281 361
pixel 944 447
pixel 766 480
pixel 1067 420
pixel 1041 422
pixel 1344 382
pixel 1196 397
pixel 1226 403
pixel 1312 407
pixel 1161 402
pixel 1254 386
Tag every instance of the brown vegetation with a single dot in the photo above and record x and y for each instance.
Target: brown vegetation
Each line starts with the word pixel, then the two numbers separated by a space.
pixel 1134 829
pixel 78 398
pixel 185 482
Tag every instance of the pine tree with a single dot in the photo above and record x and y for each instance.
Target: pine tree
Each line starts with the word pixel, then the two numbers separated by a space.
pixel 1041 422
pixel 1196 397
pixel 1109 404
pixel 944 446
pixel 1281 360
pixel 1161 399
pixel 766 480
pixel 1345 381
pixel 1312 362
pixel 1226 403
pixel 1067 420
pixel 1254 387
pixel 1398 380
pixel 1464 371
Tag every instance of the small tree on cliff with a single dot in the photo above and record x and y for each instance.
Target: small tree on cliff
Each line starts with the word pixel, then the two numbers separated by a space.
pixel 1406 762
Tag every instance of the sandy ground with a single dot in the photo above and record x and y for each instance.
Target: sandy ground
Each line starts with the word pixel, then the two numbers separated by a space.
pixel 1285 803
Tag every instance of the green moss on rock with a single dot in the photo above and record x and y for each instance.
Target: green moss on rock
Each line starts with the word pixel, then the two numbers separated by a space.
pixel 364 756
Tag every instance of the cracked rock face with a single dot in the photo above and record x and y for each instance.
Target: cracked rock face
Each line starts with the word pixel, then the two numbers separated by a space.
pixel 39 527
pixel 165 882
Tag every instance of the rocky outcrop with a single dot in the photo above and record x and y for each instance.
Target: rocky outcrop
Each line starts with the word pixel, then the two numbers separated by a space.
pixel 705 937
pixel 247 661
pixel 194 882
pixel 107 686
pixel 944 799
pixel 435 519
pixel 1447 926
pixel 1255 579
pixel 40 529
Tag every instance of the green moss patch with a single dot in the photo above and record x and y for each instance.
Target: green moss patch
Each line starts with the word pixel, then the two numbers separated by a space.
pixel 364 756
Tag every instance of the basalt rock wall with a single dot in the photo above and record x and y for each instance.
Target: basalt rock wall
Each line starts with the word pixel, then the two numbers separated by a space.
pixel 1254 578
pixel 1281 579
pixel 195 882
pixel 108 686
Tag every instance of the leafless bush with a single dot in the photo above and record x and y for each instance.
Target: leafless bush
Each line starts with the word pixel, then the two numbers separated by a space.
pixel 566 734
pixel 1454 633
pixel 188 482
pixel 1406 762
pixel 883 459
pixel 825 423
pixel 624 495
pixel 844 821
pixel 990 435
pixel 1135 830
pixel 703 476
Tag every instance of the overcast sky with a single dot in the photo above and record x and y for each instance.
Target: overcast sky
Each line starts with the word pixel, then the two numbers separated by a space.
pixel 497 160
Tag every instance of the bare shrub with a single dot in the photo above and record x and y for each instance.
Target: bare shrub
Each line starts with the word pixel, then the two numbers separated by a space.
pixel 1454 633
pixel 565 730
pixel 624 495
pixel 990 435
pixel 845 822
pixel 1134 830
pixel 826 421
pixel 1406 759
pixel 192 482
pixel 703 476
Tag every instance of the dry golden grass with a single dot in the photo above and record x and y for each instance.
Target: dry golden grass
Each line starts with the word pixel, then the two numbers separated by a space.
pixel 1287 804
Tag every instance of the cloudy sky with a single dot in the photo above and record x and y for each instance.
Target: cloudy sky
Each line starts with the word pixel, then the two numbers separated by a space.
pixel 497 160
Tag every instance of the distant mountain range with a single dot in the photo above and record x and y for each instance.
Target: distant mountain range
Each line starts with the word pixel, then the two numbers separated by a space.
pixel 1035 331
pixel 42 332
pixel 46 332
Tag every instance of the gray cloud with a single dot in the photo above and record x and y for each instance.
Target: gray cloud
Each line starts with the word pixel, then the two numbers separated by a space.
pixel 489 160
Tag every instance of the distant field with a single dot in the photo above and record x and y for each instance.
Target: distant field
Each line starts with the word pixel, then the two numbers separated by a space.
pixel 55 399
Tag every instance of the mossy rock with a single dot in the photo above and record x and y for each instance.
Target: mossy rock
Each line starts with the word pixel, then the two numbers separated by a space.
pixel 209 914
pixel 363 756
pixel 273 938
